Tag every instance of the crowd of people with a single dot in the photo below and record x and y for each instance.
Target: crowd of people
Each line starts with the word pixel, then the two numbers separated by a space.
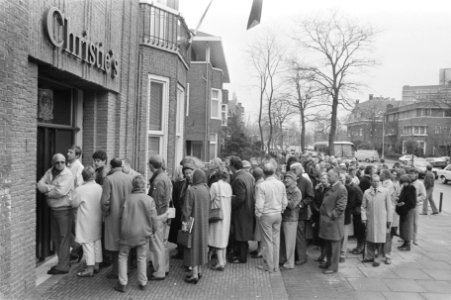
pixel 110 216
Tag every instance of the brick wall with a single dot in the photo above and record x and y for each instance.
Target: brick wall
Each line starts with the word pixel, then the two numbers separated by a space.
pixel 18 97
pixel 161 63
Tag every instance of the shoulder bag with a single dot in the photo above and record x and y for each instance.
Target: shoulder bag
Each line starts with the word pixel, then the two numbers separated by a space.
pixel 216 213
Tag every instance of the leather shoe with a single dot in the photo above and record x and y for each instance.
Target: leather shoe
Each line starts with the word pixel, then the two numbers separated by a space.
pixel 435 213
pixel 329 271
pixel 237 261
pixel 217 268
pixel 193 280
pixel 300 262
pixel 120 288
pixel 367 260
pixel 156 278
pixel 376 264
pixel 85 273
pixel 324 266
pixel 142 287
pixel 55 271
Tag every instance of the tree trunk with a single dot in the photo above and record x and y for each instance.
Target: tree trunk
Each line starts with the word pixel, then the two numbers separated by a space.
pixel 333 123
pixel 262 146
pixel 302 130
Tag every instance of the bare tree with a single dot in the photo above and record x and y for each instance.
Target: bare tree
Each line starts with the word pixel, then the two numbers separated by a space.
pixel 281 111
pixel 307 95
pixel 339 45
pixel 266 56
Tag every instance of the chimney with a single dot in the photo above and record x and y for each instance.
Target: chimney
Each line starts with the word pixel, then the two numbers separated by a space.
pixel 371 97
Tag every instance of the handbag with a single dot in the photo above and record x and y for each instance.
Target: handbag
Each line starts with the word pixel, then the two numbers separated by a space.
pixel 215 213
pixel 184 238
pixel 171 210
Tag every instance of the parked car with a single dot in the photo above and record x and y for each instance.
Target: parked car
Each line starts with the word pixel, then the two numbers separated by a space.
pixel 367 155
pixel 419 164
pixel 444 174
pixel 407 158
pixel 437 162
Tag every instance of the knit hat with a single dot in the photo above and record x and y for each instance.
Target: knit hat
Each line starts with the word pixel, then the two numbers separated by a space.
pixel 246 164
pixel 188 165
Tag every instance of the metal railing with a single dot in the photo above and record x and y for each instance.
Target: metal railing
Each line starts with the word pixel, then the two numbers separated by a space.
pixel 165 29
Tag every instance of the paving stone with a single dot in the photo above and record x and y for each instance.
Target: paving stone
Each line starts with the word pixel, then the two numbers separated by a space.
pixel 435 286
pixel 377 272
pixel 410 273
pixel 403 285
pixel 368 284
pixel 438 274
pixel 401 296
pixel 435 296
pixel 370 296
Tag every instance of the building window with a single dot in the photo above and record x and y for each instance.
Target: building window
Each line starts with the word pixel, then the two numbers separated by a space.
pixel 213 145
pixel 216 104
pixel 187 99
pixel 361 132
pixel 180 124
pixel 224 113
pixel 157 129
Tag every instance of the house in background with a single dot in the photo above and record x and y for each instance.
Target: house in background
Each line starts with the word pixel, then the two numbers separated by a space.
pixel 207 104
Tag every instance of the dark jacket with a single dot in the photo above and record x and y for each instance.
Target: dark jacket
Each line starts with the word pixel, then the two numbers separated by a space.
pixel 308 195
pixel 243 206
pixel 355 196
pixel 332 213
pixel 294 196
pixel 365 183
pixel 160 190
pixel 429 180
pixel 409 197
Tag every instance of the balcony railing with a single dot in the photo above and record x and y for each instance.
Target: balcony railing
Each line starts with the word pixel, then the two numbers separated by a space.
pixel 165 29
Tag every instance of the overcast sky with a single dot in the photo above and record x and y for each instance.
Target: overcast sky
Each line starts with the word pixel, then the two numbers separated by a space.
pixel 413 44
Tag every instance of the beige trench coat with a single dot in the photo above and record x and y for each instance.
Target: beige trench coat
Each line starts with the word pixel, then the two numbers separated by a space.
pixel 377 210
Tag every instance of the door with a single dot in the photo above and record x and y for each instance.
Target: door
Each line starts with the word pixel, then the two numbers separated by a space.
pixel 55 134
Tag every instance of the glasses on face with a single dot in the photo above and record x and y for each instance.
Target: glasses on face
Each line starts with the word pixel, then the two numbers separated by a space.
pixel 60 162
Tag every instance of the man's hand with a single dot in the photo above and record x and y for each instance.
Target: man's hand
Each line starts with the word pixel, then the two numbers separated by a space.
pixel 364 222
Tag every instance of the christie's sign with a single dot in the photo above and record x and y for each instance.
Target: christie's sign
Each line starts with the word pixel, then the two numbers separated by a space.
pixel 58 30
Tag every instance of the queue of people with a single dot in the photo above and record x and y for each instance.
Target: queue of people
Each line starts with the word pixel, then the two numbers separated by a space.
pixel 114 217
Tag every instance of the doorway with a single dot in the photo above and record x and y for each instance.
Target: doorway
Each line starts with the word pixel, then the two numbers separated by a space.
pixel 56 132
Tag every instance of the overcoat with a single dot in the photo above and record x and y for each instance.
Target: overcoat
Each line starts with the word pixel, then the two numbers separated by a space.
pixel 332 213
pixel 407 212
pixel 218 232
pixel 88 226
pixel 197 205
pixel 243 206
pixel 377 210
pixel 116 186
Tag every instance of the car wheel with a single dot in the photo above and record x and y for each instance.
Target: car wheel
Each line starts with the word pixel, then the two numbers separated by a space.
pixel 443 180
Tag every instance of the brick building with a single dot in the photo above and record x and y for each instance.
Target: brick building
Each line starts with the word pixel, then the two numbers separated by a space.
pixel 426 123
pixel 108 75
pixel 365 122
pixel 207 109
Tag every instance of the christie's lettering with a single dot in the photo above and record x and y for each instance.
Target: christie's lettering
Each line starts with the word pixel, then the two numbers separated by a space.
pixel 59 32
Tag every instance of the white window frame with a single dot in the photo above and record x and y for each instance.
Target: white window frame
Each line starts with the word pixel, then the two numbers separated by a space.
pixel 180 124
pixel 225 112
pixel 215 143
pixel 219 99
pixel 163 133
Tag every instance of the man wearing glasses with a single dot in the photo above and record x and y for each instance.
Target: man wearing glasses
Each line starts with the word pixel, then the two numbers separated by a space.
pixel 58 184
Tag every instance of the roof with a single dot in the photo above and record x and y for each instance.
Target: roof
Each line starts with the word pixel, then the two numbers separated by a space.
pixel 203 40
pixel 411 105
pixel 371 110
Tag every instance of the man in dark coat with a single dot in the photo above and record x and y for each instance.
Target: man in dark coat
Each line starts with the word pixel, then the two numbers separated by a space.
pixel 243 220
pixel 359 227
pixel 355 196
pixel 306 187
pixel 331 227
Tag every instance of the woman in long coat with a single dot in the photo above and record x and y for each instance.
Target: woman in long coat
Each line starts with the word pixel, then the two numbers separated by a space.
pixel 88 227
pixel 197 205
pixel 406 209
pixel 218 232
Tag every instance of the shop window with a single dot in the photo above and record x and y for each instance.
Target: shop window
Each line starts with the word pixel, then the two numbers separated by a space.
pixel 215 112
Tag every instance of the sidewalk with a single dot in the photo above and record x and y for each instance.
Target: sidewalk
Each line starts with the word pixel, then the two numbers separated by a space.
pixel 423 273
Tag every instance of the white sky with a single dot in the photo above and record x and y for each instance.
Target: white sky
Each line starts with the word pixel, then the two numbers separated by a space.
pixel 413 44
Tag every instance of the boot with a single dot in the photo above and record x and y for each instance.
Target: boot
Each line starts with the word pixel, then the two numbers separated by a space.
pixel 405 246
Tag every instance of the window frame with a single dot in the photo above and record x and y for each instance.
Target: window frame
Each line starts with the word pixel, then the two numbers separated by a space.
pixel 219 99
